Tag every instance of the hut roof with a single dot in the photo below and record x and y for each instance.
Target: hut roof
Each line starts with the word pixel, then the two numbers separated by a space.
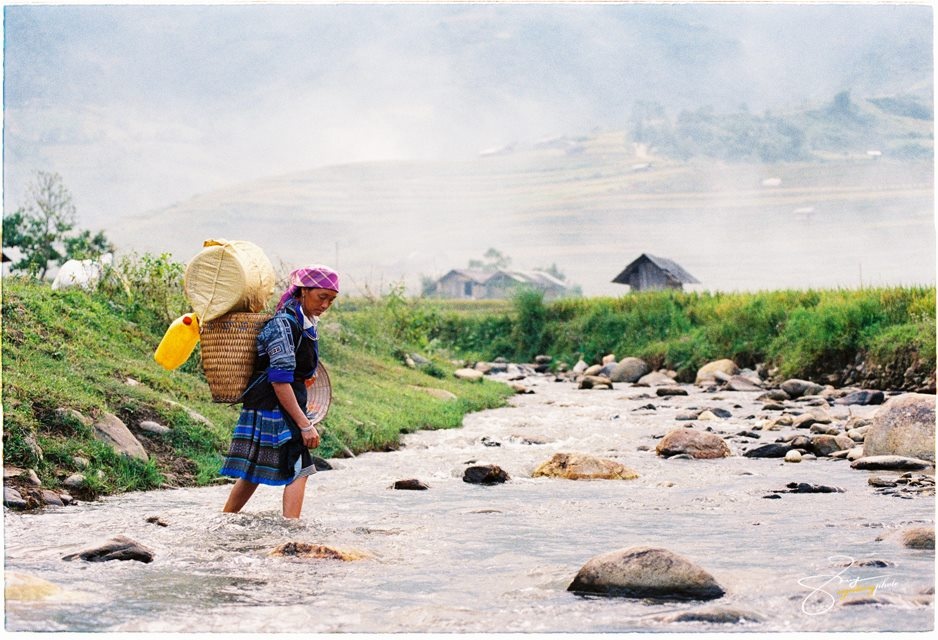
pixel 522 277
pixel 670 267
pixel 478 277
pixel 541 278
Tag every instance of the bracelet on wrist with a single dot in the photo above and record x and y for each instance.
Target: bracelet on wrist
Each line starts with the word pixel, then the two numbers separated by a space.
pixel 308 429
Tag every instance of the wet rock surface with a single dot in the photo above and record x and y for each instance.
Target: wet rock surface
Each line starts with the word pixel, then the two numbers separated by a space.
pixel 117 548
pixel 485 474
pixel 410 484
pixel 694 443
pixel 646 572
pixel 904 426
pixel 528 538
pixel 577 466
pixel 308 551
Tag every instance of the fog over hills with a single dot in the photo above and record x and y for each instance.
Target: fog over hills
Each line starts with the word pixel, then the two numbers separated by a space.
pixel 352 134
pixel 861 220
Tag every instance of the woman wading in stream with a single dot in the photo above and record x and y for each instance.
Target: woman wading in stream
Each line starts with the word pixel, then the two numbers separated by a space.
pixel 273 436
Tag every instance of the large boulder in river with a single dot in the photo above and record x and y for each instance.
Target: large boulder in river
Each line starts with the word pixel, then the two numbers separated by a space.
pixel 708 372
pixel 579 466
pixel 656 379
pixel 904 426
pixel 645 572
pixel 112 430
pixel 629 370
pixel 796 388
pixel 696 444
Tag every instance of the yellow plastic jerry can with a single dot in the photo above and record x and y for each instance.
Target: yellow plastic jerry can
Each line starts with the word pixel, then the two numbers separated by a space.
pixel 178 342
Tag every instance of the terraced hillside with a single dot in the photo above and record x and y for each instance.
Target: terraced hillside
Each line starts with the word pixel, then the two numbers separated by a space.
pixel 589 205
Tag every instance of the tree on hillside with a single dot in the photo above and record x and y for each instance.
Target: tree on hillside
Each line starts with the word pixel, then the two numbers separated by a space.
pixel 44 229
pixel 494 260
pixel 553 270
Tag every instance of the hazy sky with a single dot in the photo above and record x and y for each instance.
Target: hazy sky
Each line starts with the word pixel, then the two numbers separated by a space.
pixel 139 107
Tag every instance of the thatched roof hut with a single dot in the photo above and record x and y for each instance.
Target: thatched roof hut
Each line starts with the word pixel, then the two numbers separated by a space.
pixel 648 273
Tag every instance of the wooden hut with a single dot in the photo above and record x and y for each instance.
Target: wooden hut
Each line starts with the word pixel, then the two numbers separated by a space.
pixel 465 284
pixel 650 273
pixel 468 284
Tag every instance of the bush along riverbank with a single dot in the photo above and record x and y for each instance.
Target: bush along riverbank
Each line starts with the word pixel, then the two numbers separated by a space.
pixel 882 338
pixel 88 412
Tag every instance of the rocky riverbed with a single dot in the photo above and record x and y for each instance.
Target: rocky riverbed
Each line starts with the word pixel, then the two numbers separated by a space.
pixel 598 507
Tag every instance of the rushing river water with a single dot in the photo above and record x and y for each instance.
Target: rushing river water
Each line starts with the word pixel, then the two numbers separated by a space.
pixel 469 558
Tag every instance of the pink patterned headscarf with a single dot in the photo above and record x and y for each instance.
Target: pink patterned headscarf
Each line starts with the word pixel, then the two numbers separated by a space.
pixel 315 276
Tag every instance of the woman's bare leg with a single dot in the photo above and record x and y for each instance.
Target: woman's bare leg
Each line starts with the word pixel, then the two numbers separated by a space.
pixel 293 495
pixel 241 492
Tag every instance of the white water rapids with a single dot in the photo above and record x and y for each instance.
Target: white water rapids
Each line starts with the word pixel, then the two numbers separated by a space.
pixel 468 558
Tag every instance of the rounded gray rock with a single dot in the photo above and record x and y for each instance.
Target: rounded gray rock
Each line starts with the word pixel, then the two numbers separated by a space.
pixel 629 370
pixel 904 426
pixel 796 388
pixel 646 572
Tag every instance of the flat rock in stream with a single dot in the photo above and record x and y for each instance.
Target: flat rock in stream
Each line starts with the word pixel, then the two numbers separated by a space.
pixel 719 615
pixel 117 548
pixel 670 391
pixel 485 474
pixel 645 572
pixel 890 463
pixel 772 450
pixel 804 487
pixel 580 466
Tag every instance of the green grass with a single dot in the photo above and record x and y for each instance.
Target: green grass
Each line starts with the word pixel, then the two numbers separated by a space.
pixel 803 333
pixel 92 352
pixel 84 351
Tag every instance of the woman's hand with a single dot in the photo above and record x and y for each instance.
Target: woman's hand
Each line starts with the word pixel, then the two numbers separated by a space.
pixel 310 437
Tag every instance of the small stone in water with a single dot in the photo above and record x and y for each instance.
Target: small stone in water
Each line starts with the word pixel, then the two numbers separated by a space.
pixel 411 484
pixel 485 474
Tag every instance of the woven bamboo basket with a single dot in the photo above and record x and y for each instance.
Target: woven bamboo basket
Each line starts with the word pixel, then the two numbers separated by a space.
pixel 229 350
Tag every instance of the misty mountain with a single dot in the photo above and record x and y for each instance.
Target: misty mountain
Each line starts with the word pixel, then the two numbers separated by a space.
pixel 140 106
pixel 853 206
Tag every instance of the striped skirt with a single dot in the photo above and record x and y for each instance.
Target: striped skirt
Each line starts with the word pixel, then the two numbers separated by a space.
pixel 263 450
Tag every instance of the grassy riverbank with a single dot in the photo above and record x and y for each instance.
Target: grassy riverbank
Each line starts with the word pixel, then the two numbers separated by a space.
pixel 69 357
pixel 877 333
